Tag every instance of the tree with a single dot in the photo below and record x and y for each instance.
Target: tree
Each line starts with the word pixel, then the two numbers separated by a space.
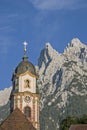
pixel 66 123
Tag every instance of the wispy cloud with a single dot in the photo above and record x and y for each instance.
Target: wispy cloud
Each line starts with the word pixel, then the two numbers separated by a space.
pixel 58 4
pixel 7 29
pixel 5 43
pixel 4 28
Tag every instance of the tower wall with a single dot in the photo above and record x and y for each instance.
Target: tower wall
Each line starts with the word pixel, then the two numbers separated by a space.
pixel 24 95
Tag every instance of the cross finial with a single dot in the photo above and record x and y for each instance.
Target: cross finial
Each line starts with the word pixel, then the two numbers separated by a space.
pixel 25 47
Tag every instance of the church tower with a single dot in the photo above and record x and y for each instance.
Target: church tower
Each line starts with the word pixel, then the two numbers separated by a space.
pixel 24 94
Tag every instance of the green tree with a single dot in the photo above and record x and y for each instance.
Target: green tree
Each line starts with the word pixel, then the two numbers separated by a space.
pixel 65 124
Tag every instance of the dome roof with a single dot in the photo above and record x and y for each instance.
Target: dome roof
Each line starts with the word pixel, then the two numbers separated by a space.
pixel 24 66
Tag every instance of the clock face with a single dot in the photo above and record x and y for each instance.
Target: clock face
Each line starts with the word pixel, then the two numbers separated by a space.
pixel 27 99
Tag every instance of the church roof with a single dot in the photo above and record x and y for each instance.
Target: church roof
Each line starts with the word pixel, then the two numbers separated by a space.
pixel 24 66
pixel 78 127
pixel 16 121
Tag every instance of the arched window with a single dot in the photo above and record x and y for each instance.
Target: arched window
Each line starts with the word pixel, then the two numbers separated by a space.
pixel 27 83
pixel 27 112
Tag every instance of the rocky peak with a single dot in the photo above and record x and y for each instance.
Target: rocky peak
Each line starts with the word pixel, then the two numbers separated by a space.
pixel 76 50
pixel 47 55
pixel 75 42
pixel 4 96
pixel 62 84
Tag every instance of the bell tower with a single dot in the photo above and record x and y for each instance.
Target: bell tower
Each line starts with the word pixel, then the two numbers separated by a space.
pixel 24 92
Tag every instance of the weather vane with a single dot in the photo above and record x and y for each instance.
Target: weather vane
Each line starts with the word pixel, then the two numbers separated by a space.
pixel 25 47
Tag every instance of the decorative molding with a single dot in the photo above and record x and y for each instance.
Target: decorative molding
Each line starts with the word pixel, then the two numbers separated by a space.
pixel 21 102
pixel 25 93
pixel 34 109
pixel 27 72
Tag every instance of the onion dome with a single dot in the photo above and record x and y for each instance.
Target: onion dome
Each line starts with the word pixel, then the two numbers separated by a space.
pixel 25 65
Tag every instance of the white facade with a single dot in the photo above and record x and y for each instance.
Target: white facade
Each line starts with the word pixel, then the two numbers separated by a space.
pixel 26 97
pixel 22 83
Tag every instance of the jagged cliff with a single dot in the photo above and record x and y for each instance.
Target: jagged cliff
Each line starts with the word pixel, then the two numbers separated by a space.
pixel 62 84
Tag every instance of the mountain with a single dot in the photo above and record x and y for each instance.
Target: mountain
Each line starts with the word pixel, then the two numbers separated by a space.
pixel 62 84
pixel 4 103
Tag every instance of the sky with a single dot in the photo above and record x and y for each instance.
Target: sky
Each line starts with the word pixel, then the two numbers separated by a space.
pixel 37 22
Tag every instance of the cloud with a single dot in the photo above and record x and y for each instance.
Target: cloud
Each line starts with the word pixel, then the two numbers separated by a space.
pixel 5 44
pixel 6 30
pixel 58 4
pixel 8 24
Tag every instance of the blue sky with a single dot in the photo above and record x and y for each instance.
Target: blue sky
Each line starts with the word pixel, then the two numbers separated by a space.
pixel 37 22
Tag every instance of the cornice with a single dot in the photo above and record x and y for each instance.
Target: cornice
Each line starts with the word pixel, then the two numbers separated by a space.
pixel 27 72
pixel 25 93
